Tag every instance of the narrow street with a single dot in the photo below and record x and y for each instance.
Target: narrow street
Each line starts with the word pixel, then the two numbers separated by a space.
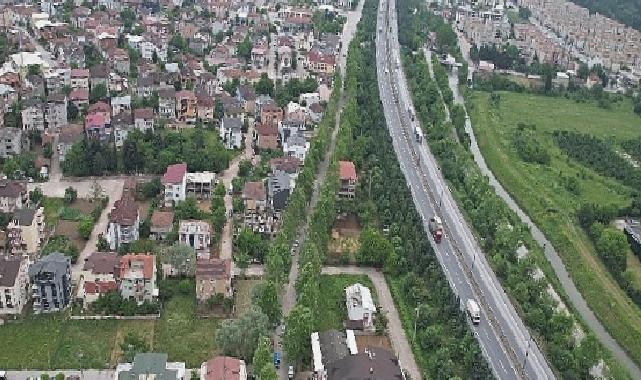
pixel 400 343
pixel 227 176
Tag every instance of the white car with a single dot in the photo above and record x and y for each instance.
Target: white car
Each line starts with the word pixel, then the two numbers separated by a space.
pixel 290 372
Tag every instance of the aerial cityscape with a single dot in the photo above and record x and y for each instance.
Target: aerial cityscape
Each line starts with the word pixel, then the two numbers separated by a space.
pixel 320 190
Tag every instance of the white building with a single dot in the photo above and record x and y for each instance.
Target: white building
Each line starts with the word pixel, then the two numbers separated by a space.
pixel 231 132
pixel 14 284
pixel 124 222
pixel 195 233
pixel 175 183
pixel 360 306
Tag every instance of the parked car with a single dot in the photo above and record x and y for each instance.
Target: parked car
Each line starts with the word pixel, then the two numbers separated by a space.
pixel 290 372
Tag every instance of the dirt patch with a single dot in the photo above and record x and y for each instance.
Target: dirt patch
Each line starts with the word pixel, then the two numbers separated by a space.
pixel 204 205
pixel 143 208
pixel 347 226
pixel 242 295
pixel 70 230
pixel 344 241
pixel 364 341
pixel 84 205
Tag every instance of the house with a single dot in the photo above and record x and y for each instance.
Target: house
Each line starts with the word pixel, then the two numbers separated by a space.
pixel 320 62
pixel 13 195
pixel 119 59
pixel 315 112
pixel 175 183
pixel 98 276
pixel 213 277
pixel 162 223
pixel 288 128
pixel 13 141
pixel 336 356
pixel 266 136
pixel 50 278
pixel 80 78
pixel 137 274
pixel 144 119
pixel 79 97
pixel 14 284
pixel 167 103
pixel 195 233
pixel 223 368
pixel 56 111
pixel 360 306
pixel 271 114
pixel 231 132
pixel 101 108
pixel 200 184
pixel 99 75
pixel 247 97
pixel 348 179
pixel 25 233
pixel 150 366
pixel 122 124
pixel 296 146
pixel 97 127
pixel 33 116
pixel 256 217
pixel 124 222
pixel 68 136
pixel 278 190
pixel 186 106
pixel 120 104
pixel 206 107
pixel 56 79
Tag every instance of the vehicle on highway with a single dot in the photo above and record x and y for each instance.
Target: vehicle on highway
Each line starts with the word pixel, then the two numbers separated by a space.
pixel 277 358
pixel 474 311
pixel 3 375
pixel 290 372
pixel 436 228
pixel 418 134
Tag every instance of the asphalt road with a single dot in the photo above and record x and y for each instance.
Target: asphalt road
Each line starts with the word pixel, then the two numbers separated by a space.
pixel 503 338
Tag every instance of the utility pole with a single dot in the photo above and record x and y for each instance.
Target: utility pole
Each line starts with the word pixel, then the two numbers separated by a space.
pixel 418 310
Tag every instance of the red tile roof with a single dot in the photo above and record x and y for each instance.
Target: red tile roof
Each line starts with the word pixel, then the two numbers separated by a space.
pixel 100 287
pixel 102 263
pixel 223 367
pixel 125 211
pixel 147 261
pixel 214 268
pixel 254 190
pixel 175 173
pixel 162 219
pixel 347 170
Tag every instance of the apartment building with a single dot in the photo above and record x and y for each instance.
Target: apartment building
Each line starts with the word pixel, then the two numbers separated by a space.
pixel 137 274
pixel 50 278
pixel 14 284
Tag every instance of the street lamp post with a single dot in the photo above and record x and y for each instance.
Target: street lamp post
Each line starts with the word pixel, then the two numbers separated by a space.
pixel 418 310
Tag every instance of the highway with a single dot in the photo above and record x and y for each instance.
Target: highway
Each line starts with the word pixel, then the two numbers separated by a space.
pixel 502 336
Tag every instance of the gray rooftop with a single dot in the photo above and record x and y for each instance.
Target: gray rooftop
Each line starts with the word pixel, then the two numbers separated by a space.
pixel 149 364
pixel 55 263
pixel 24 216
pixel 9 268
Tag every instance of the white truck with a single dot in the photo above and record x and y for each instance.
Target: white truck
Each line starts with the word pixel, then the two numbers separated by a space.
pixel 473 310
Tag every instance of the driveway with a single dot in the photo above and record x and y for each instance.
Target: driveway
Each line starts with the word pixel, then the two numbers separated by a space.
pixel 397 336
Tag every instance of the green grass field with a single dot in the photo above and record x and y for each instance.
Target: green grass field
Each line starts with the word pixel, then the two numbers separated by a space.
pixel 540 190
pixel 52 342
pixel 333 300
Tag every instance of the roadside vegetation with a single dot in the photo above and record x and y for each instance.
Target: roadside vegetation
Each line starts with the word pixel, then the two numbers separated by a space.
pixel 501 233
pixel 580 186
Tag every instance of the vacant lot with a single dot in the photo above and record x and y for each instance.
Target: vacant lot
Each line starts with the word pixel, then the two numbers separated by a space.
pixel 52 342
pixel 332 301
pixel 542 191
pixel 243 294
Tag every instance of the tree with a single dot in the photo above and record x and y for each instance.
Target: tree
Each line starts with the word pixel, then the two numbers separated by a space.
pixel 239 337
pixel 63 245
pixel 265 296
pixel 612 247
pixel 98 92
pixel 245 49
pixel 71 195
pixel 268 373
pixel 85 227
pixel 265 85
pixel 374 248
pixel 244 168
pixel 35 195
pixel 102 245
pixel 251 244
pixel 33 70
pixel 263 353
pixel 296 338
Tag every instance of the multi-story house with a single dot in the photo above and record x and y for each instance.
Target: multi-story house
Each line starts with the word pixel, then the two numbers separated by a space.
pixel 120 104
pixel 195 233
pixel 167 103
pixel 26 232
pixel 266 137
pixel 56 112
pixel 206 108
pixel 144 119
pixel 200 184
pixel 33 116
pixel 320 62
pixel 137 274
pixel 271 114
pixel 124 222
pixel 79 97
pixel 231 132
pixel 122 124
pixel 296 146
pixel 257 216
pixel 68 136
pixel 348 179
pixel 99 75
pixel 278 190
pixel 223 367
pixel 13 195
pixel 13 141
pixel 150 366
pixel 175 183
pixel 14 284
pixel 98 276
pixel 247 97
pixel 360 305
pixel 213 277
pixel 119 59
pixel 50 278
pixel 162 222
pixel 80 78
pixel 186 106
pixel 56 79
pixel 97 127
